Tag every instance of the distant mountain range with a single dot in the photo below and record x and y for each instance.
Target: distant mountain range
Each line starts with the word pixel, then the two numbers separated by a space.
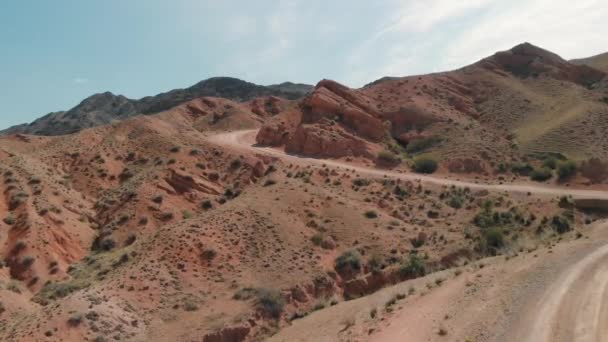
pixel 104 108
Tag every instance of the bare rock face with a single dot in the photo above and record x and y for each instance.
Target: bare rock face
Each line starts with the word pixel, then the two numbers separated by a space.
pixel 333 121
pixel 273 134
pixel 326 139
pixel 348 107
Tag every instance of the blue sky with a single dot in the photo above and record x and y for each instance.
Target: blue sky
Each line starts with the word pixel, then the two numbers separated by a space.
pixel 55 53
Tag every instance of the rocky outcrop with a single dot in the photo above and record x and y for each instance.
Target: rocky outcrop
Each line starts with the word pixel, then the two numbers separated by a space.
pixel 348 107
pixel 333 121
pixel 328 140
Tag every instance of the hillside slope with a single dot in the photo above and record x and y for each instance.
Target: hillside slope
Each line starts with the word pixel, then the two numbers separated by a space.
pixel 503 109
pixel 599 62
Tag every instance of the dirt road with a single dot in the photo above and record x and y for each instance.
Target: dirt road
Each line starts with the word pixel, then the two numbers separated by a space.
pixel 244 140
pixel 559 296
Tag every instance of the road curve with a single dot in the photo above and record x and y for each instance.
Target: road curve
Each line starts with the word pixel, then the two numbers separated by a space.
pixel 571 308
pixel 244 140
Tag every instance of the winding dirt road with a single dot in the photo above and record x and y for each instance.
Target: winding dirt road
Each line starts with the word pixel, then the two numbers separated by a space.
pixel 570 304
pixel 244 140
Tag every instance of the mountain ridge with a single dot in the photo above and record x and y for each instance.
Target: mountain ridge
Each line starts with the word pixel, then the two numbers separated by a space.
pixel 105 107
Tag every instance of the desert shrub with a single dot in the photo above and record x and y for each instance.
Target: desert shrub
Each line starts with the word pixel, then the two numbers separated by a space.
pixel 206 204
pixel 107 244
pixel 421 144
pixel 413 268
pixel 13 286
pixel 271 302
pixel 418 241
pixel 359 182
pixel 522 169
pixel 175 149
pixel 27 261
pixel 550 163
pixel 456 202
pixel 9 220
pixel 541 175
pixel 53 290
pixel 371 214
pixel 75 319
pixel 317 239
pixel 560 224
pixel 425 165
pixel 186 214
pixel 189 305
pixel 166 216
pixel 388 157
pixel 235 164
pixel 270 182
pixel 494 238
pixel 566 169
pixel 374 264
pixel 349 261
pixel 208 254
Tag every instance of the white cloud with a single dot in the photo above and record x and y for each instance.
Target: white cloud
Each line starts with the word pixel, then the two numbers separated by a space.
pixel 240 26
pixel 80 80
pixel 438 35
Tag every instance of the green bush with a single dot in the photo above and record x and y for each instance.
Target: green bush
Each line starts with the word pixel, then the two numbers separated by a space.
pixel 494 238
pixel 541 175
pixel 349 261
pixel 560 224
pixel 522 169
pixel 425 165
pixel 413 268
pixel 566 169
pixel 550 163
pixel 317 239
pixel 270 301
